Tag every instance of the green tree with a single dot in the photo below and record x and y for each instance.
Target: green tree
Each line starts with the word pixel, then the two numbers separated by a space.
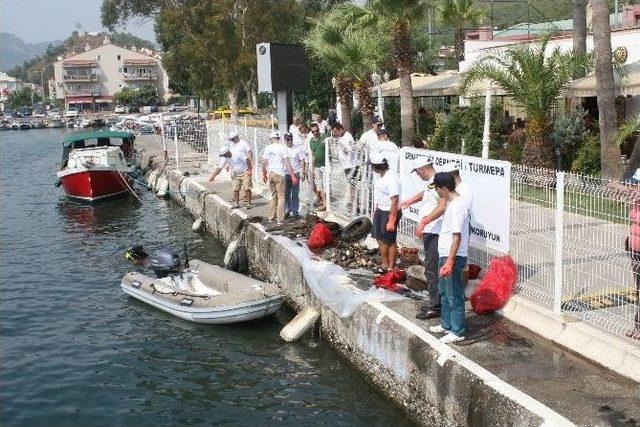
pixel 400 16
pixel 460 15
pixel 348 46
pixel 24 97
pixel 534 81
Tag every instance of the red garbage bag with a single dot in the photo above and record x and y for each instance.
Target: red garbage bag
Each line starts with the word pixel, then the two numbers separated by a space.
pixel 390 280
pixel 495 288
pixel 320 236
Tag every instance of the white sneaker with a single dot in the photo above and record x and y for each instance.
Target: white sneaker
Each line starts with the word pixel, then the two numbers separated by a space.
pixel 451 337
pixel 438 329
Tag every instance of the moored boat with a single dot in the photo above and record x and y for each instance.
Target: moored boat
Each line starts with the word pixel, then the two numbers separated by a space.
pixel 94 164
pixel 206 293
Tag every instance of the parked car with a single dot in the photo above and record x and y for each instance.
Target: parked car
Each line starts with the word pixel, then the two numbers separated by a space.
pixel 177 107
pixel 226 113
pixel 148 109
pixel 71 112
pixel 121 109
pixel 54 114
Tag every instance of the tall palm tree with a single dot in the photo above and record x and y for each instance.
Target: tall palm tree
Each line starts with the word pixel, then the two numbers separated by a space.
pixel 534 82
pixel 459 15
pixel 351 49
pixel 400 15
pixel 579 31
pixel 609 152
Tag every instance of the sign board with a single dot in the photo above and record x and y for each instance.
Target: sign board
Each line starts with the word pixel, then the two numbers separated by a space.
pixel 490 184
pixel 282 67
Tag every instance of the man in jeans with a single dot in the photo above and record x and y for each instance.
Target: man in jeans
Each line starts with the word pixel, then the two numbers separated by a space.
pixel 275 164
pixel 431 209
pixel 453 244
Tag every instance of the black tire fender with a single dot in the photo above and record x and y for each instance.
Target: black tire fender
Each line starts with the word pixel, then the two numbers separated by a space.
pixel 357 229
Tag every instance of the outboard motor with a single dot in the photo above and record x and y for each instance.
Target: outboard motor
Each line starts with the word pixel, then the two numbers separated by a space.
pixel 164 262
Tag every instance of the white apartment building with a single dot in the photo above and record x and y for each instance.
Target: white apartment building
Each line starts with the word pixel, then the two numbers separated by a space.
pixel 9 84
pixel 89 79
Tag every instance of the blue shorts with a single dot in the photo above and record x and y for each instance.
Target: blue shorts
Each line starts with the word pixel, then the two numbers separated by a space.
pixel 380 219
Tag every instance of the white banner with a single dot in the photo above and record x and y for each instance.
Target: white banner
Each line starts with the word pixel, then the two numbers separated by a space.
pixel 490 184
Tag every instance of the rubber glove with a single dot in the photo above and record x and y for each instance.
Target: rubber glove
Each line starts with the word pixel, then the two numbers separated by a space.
pixel 420 228
pixel 447 268
pixel 294 179
pixel 391 224
pixel 405 205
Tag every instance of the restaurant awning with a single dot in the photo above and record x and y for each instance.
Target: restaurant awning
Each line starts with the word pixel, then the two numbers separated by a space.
pixel 627 84
pixel 444 84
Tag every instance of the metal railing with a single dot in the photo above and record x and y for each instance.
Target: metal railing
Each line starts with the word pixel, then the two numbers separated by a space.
pixel 567 231
pixel 80 77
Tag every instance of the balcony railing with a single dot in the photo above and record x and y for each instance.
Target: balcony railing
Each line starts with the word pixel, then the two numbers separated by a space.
pixel 147 76
pixel 81 92
pixel 80 77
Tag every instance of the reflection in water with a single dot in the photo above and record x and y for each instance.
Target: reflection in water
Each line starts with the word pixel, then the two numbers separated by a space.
pixel 98 218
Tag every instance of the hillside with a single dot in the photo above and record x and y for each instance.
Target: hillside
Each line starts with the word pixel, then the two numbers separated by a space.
pixel 14 51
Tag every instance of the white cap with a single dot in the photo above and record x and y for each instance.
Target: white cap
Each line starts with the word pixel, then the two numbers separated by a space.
pixel 449 167
pixel 232 134
pixel 421 162
pixel 376 158
pixel 275 134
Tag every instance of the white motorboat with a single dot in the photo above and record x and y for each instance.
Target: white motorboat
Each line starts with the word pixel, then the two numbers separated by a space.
pixel 206 293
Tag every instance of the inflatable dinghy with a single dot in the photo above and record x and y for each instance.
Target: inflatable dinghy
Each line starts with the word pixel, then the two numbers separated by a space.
pixel 206 293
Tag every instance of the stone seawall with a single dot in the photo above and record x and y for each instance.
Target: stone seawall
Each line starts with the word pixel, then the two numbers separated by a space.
pixel 432 382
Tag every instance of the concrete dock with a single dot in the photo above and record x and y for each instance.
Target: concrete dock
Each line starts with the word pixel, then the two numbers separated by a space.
pixel 515 377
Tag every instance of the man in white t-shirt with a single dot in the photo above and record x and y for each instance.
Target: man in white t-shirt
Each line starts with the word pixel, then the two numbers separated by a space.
pixel 430 212
pixel 461 187
pixel 386 147
pixel 297 157
pixel 238 157
pixel 453 246
pixel 348 160
pixel 275 165
pixel 370 137
pixel 293 127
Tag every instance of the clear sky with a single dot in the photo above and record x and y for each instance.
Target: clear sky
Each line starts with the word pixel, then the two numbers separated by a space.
pixel 46 20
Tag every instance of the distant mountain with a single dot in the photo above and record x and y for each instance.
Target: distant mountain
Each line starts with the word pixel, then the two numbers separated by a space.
pixel 14 51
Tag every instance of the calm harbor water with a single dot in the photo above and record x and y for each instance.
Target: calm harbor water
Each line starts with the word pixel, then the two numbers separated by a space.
pixel 77 352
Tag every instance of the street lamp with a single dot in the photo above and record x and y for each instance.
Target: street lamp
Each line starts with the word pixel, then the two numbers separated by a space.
pixel 377 80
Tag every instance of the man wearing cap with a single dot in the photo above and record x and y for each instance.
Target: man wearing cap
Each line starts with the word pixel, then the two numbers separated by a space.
pixel 431 209
pixel 453 244
pixel 369 138
pixel 297 158
pixel 238 156
pixel 275 165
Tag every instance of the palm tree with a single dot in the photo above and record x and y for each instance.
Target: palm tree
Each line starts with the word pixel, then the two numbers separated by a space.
pixel 459 15
pixel 400 15
pixel 533 81
pixel 579 31
pixel 351 49
pixel 609 152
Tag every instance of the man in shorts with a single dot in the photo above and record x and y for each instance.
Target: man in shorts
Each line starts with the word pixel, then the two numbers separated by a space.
pixel 240 170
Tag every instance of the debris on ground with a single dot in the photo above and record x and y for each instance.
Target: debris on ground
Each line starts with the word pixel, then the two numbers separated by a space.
pixel 351 255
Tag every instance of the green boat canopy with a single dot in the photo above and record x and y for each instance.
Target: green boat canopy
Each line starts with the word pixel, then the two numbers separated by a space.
pixel 83 136
pixel 103 138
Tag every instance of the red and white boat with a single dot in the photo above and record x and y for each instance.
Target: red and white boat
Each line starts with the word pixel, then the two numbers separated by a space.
pixel 94 165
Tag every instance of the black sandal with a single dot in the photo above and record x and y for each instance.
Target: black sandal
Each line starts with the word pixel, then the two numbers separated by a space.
pixel 429 313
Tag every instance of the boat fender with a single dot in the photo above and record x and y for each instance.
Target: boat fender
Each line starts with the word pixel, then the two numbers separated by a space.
pixel 197 224
pixel 163 187
pixel 230 250
pixel 152 179
pixel 239 261
pixel 300 324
